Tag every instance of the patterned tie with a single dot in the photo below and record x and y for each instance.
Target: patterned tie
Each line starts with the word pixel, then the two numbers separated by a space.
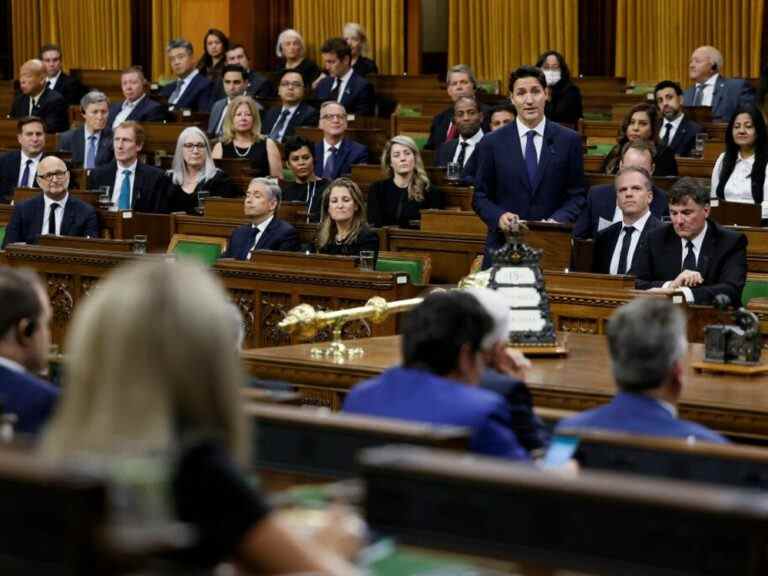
pixel 277 130
pixel 698 96
pixel 330 164
pixel 90 156
pixel 624 254
pixel 665 140
pixel 24 183
pixel 462 154
pixel 531 161
pixel 124 202
pixel 52 219
pixel 220 125
pixel 690 258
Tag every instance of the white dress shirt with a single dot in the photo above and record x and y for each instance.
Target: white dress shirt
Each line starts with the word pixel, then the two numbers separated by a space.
pixel 672 131
pixel 471 143
pixel 119 183
pixel 709 90
pixel 185 84
pixel 639 225
pixel 53 79
pixel 697 243
pixel 344 81
pixel 538 140
pixel 262 227
pixel 32 168
pixel 738 188
pixel 58 215
pixel 126 111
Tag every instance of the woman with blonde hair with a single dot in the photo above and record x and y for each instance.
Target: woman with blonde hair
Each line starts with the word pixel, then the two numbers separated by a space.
pixel 343 228
pixel 354 34
pixel 242 138
pixel 290 56
pixel 398 200
pixel 153 377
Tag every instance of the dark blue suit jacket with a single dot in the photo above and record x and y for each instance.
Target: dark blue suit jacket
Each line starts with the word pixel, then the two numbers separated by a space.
pixel 605 244
pixel 601 203
pixel 349 153
pixel 729 95
pixel 10 168
pixel 420 396
pixel 502 179
pixel 358 97
pixel 31 399
pixel 145 111
pixel 279 235
pixel 642 415
pixel 80 219
pixel 685 137
pixel 51 107
pixel 305 115
pixel 197 96
pixel 445 155
pixel 151 189
pixel 73 141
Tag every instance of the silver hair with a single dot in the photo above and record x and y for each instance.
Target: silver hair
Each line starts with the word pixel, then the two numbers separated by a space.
pixel 285 34
pixel 646 337
pixel 356 29
pixel 715 57
pixel 327 103
pixel 461 69
pixel 93 97
pixel 180 43
pixel 178 167
pixel 271 185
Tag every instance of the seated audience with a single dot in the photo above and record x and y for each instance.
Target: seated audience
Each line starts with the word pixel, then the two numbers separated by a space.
pixel 693 255
pixel 398 200
pixel 444 343
pixel 137 106
pixel 54 211
pixel 69 87
pixel 739 173
pixel 265 231
pixel 602 210
pixel 194 175
pixel 647 342
pixel 256 85
pixel 177 416
pixel 723 95
pixel 282 120
pixel 25 339
pixel 343 227
pixel 641 123
pixel 37 99
pixel 191 90
pixel 307 187
pixel 242 138
pixel 564 105
pixel 615 249
pixel 335 155
pixel 501 115
pixel 91 144
pixel 343 84
pixel 133 185
pixel 290 56
pixel 354 35
pixel 19 167
pixel 677 131
pixel 233 80
pixel 215 46
pixel 468 118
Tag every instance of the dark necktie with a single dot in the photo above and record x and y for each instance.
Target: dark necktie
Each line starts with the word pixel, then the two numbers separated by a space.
pixel 330 164
pixel 690 258
pixel 698 96
pixel 624 254
pixel 462 153
pixel 531 162
pixel 32 106
pixel 252 241
pixel 52 220
pixel 335 90
pixel 90 157
pixel 277 129
pixel 665 140
pixel 25 176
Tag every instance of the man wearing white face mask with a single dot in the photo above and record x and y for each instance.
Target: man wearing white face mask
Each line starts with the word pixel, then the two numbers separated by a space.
pixel 564 104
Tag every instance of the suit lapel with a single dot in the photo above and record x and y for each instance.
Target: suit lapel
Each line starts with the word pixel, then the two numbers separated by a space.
pixel 265 235
pixel 707 249
pixel 717 95
pixel 38 215
pixel 672 257
pixel 138 185
pixel 68 221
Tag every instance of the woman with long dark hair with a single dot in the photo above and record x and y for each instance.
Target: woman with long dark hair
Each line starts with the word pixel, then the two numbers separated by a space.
pixel 564 105
pixel 215 46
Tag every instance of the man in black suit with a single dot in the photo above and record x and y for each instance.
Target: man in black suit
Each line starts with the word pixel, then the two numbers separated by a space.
pixel 91 144
pixel 343 84
pixel 19 168
pixel 137 106
pixel 233 79
pixel 133 185
pixel 468 119
pixel 37 99
pixel 66 85
pixel 53 212
pixel 256 85
pixel 336 154
pixel 616 247
pixel 693 255
pixel 191 90
pixel 281 121
pixel 677 131
pixel 601 210
pixel 265 232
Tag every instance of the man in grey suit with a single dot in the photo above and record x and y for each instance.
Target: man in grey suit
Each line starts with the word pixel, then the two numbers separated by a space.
pixel 91 144
pixel 233 79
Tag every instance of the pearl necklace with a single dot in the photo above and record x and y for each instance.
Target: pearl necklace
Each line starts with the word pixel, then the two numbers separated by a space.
pixel 237 153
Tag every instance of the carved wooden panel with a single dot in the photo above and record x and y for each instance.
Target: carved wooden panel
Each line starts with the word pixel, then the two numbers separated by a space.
pixel 326 398
pixel 357 328
pixel 578 325
pixel 274 307
pixel 60 291
pixel 243 299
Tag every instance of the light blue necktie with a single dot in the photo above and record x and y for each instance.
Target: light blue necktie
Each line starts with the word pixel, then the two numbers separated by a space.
pixel 124 202
pixel 90 157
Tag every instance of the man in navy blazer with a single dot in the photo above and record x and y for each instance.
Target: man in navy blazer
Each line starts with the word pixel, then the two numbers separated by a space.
pixel 693 255
pixel 531 169
pixel 468 119
pixel 335 155
pixel 677 131
pixel 37 99
pixel 25 339
pixel 137 106
pixel 265 232
pixel 443 344
pixel 723 95
pixel 601 210
pixel 191 90
pixel 343 84
pixel 54 211
pixel 19 167
pixel 69 87
pixel 91 144
pixel 281 121
pixel 647 343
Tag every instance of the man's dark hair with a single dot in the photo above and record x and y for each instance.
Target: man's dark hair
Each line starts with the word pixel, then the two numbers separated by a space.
pixel 29 120
pixel 690 188
pixel 668 84
pixel 233 68
pixel 294 143
pixel 336 46
pixel 527 72
pixel 20 299
pixel 640 146
pixel 285 72
pixel 436 329
pixel 236 46
pixel 504 107
pixel 49 48
pixel 470 99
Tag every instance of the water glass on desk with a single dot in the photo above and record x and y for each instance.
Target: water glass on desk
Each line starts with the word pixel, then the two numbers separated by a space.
pixel 453 171
pixel 701 141
pixel 366 260
pixel 105 198
pixel 140 244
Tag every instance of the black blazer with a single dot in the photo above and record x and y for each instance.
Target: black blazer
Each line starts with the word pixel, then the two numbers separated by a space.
pixel 685 137
pixel 196 97
pixel 279 235
pixel 150 188
pixel 722 262
pixel 257 86
pixel 10 170
pixel 601 203
pixel 605 244
pixel 305 115
pixel 80 219
pixel 220 185
pixel 565 105
pixel 73 141
pixel 70 88
pixel 365 66
pixel 445 155
pixel 51 107
pixel 440 123
pixel 407 209
pixel 358 97
pixel 145 111
pixel 366 239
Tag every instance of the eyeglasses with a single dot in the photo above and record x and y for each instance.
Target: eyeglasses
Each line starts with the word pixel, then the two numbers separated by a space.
pixel 334 117
pixel 292 84
pixel 195 145
pixel 51 175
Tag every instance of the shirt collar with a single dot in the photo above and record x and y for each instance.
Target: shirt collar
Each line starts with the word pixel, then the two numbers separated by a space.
pixel 35 159
pixel 641 222
pixel 668 407
pixel 748 160
pixel 12 365
pixel 711 81
pixel 698 240
pixel 131 168
pixel 675 123
pixel 290 109
pixel 522 129
pixel 129 104
pixel 264 224
pixel 474 139
pixel 188 78
pixel 89 133
pixel 327 146
pixel 47 201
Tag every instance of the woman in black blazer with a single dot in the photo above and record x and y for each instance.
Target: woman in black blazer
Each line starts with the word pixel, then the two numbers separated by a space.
pixel 343 229
pixel 355 36
pixel 564 105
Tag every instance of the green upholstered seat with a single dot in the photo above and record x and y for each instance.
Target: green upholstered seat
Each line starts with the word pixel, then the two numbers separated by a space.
pixel 2 234
pixel 754 289
pixel 205 252
pixel 411 267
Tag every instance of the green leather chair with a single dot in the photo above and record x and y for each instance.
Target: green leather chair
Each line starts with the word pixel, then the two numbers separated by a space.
pixel 417 266
pixel 201 248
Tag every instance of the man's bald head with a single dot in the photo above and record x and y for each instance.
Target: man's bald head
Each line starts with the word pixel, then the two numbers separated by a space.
pixel 53 177
pixel 32 77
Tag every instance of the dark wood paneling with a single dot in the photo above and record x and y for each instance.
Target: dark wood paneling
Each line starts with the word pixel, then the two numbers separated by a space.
pixel 256 25
pixel 597 37
pixel 6 40
pixel 141 35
